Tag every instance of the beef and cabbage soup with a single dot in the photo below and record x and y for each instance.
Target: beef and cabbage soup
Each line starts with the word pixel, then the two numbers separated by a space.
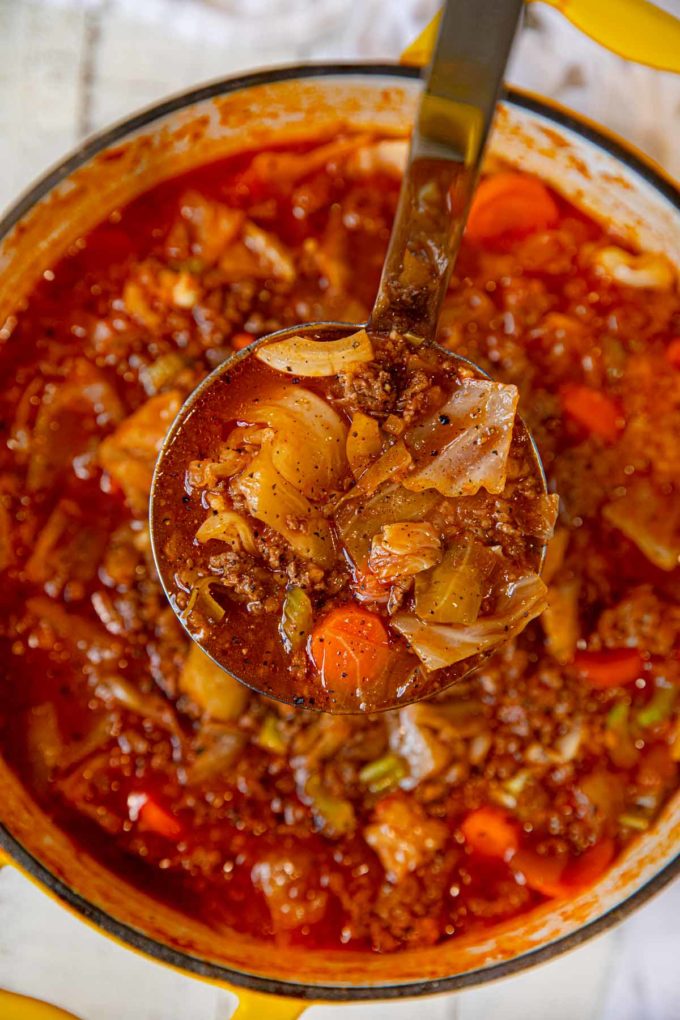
pixel 520 783
pixel 351 523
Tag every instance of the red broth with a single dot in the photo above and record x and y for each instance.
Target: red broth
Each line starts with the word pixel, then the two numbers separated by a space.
pixel 395 830
pixel 358 540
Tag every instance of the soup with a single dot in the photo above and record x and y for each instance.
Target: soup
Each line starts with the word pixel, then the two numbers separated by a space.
pixel 520 783
pixel 352 523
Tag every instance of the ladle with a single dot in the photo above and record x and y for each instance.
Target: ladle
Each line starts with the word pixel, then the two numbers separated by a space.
pixel 450 131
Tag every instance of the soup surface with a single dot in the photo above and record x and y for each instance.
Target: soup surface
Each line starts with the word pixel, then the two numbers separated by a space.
pixel 352 523
pixel 519 783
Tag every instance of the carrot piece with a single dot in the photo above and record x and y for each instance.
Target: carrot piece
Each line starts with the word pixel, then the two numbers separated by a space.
pixel 673 352
pixel 542 874
pixel 610 668
pixel 586 869
pixel 241 340
pixel 491 832
pixel 594 411
pixel 510 205
pixel 150 814
pixel 561 876
pixel 349 646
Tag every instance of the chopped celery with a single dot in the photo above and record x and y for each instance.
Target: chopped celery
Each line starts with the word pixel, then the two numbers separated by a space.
pixel 296 619
pixel 634 821
pixel 658 709
pixel 335 815
pixel 383 774
pixel 618 739
pixel 270 737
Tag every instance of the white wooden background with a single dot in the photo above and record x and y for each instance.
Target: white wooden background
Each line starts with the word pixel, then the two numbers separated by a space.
pixel 69 67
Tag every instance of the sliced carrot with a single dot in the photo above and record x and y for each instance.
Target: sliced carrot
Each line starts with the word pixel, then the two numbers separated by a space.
pixel 510 205
pixel 542 874
pixel 491 832
pixel 561 876
pixel 610 668
pixel 673 352
pixel 584 870
pixel 349 646
pixel 150 814
pixel 241 340
pixel 595 412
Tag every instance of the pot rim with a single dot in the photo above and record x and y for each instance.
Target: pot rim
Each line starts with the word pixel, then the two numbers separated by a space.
pixel 634 160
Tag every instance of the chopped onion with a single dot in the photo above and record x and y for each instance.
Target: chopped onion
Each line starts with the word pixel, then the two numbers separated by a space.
pixel 560 620
pixel 465 445
pixel 363 442
pixel 439 645
pixel 299 355
pixel 230 527
pixel 309 438
pixel 273 500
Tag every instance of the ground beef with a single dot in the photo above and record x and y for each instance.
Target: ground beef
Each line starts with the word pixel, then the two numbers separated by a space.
pixel 369 389
pixel 247 580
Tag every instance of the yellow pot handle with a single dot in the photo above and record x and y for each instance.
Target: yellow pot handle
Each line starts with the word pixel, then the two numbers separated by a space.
pixel 635 29
pixel 255 1006
pixel 21 1007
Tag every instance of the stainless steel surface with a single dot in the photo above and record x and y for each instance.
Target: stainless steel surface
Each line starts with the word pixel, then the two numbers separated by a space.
pixel 451 128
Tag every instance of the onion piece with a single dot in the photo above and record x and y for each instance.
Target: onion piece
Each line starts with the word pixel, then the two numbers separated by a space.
pixel 363 442
pixel 465 446
pixel 440 645
pixel 300 355
pixel 309 438
pixel 273 500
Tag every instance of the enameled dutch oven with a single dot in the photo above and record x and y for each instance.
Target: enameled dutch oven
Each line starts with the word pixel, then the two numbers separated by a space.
pixel 292 104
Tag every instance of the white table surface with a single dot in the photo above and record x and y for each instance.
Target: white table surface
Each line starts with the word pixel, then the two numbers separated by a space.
pixel 69 67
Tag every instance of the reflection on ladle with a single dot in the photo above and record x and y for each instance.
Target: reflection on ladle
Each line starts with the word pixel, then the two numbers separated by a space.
pixel 370 618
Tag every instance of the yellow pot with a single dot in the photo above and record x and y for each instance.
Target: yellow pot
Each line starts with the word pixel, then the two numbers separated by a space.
pixel 287 105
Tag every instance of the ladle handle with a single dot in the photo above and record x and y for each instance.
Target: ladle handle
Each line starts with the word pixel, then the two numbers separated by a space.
pixel 451 127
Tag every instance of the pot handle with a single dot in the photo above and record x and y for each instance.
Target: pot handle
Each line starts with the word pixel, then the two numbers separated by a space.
pixel 634 29
pixel 256 1006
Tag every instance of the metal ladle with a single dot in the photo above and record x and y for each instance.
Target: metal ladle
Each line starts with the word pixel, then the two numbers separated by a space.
pixel 447 144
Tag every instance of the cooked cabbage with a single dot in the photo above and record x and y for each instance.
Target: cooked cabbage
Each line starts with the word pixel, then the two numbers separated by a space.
pixel 358 520
pixel 393 463
pixel 650 520
pixel 465 446
pixel 453 591
pixel 273 500
pixel 230 527
pixel 309 438
pixel 218 694
pixel 441 645
pixel 404 549
pixel 300 355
